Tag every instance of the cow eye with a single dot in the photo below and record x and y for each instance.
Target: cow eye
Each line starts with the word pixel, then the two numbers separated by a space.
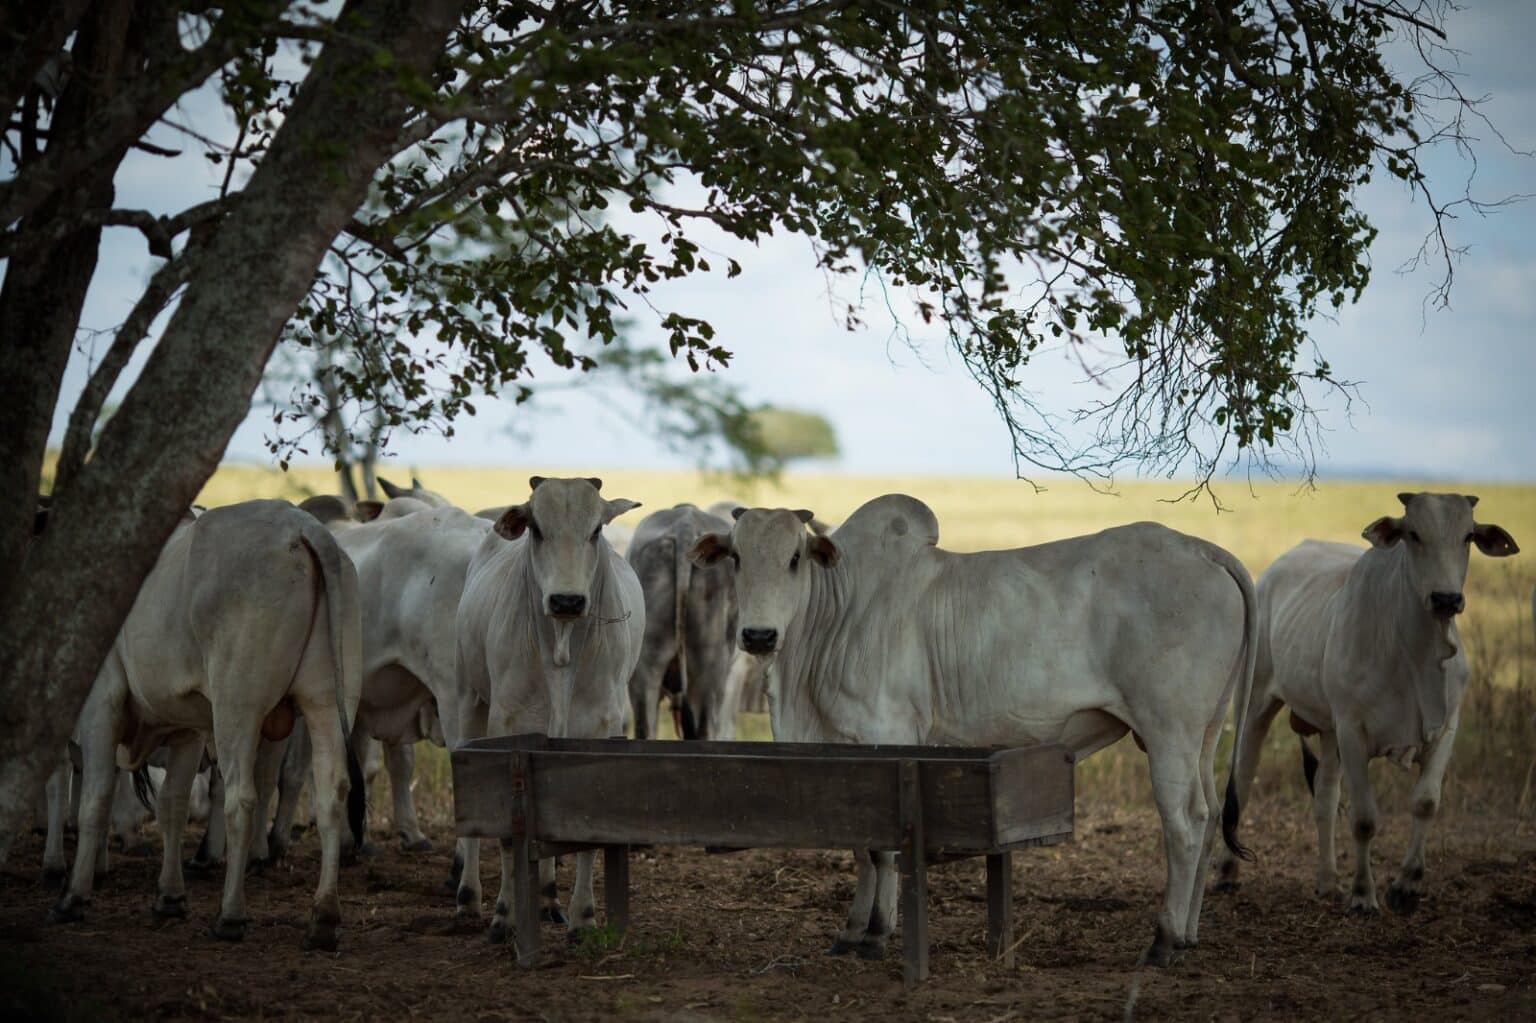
pixel 794 562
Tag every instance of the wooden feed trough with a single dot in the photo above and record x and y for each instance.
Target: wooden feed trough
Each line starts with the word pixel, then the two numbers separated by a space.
pixel 931 804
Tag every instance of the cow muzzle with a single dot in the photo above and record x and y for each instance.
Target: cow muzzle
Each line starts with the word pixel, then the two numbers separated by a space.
pixel 567 605
pixel 759 641
pixel 1446 606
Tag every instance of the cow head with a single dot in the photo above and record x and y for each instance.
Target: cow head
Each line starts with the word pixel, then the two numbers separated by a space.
pixel 774 556
pixel 563 520
pixel 1437 533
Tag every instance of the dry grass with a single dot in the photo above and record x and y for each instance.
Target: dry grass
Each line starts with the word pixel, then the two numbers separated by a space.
pixel 1496 748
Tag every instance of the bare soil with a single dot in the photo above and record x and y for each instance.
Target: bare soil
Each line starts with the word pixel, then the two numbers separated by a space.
pixel 741 936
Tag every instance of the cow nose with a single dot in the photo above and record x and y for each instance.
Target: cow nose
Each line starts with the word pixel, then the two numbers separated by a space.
pixel 1444 605
pixel 759 641
pixel 567 605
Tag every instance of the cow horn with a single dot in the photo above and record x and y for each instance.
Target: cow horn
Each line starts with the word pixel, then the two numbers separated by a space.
pixel 737 512
pixel 1405 497
pixel 534 481
pixel 804 514
pixel 597 484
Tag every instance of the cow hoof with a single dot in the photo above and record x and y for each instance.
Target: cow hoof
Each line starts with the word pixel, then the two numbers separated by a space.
pixel 1164 951
pixel 199 867
pixel 68 910
pixel 420 845
pixel 1227 885
pixel 871 951
pixel 321 936
pixel 553 915
pixel 368 848
pixel 170 907
pixel 1364 909
pixel 226 929
pixel 1402 901
pixel 841 947
pixel 257 866
pixel 54 875
pixel 497 935
pixel 577 935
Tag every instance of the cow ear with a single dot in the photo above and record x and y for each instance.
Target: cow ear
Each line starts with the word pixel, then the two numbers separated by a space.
pixel 1385 531
pixel 1494 541
pixel 805 515
pixel 391 490
pixel 597 484
pixel 737 512
pixel 367 511
pixel 710 550
pixel 823 550
pixel 512 523
pixel 618 506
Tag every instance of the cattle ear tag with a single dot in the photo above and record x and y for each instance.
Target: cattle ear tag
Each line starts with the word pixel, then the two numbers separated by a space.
pixel 618 506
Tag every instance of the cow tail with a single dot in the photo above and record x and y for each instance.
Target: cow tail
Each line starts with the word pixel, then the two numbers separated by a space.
pixel 682 576
pixel 1231 811
pixel 1308 765
pixel 144 787
pixel 327 558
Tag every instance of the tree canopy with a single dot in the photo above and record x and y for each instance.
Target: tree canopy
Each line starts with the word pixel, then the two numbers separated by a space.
pixel 453 187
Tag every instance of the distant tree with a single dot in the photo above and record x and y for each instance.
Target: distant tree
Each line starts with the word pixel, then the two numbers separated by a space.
pixel 793 434
pixel 426 178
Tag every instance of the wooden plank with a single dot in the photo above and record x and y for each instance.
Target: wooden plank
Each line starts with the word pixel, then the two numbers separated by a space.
pixel 483 802
pixel 1031 796
pixel 627 799
pixel 914 878
pixel 616 887
pixel 1000 907
pixel 711 748
pixel 957 807
pixel 525 865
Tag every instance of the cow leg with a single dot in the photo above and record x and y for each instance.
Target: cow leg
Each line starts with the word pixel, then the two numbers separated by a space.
pixel 549 893
pixel 882 910
pixel 582 913
pixel 291 776
pixel 1403 893
pixel 1325 812
pixel 400 762
pixel 361 750
pixel 328 756
pixel 852 934
pixel 101 723
pixel 55 866
pixel 645 683
pixel 210 852
pixel 237 746
pixel 1181 803
pixel 1262 708
pixel 171 815
pixel 467 722
pixel 1362 816
pixel 269 762
pixel 1212 827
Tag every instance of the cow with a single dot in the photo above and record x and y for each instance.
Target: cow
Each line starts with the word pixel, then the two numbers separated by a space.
pixel 690 617
pixel 1362 645
pixel 879 636
pixel 248 618
pixel 549 631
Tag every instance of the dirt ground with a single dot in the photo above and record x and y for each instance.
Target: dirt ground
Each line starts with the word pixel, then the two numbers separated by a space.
pixel 741 937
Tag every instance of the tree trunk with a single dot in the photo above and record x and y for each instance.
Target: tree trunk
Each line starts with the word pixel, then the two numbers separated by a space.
pixel 41 298
pixel 106 529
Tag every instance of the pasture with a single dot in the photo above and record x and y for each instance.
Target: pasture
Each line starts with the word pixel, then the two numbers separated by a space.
pixel 740 936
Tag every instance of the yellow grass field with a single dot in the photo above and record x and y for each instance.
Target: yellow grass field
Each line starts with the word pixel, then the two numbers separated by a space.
pixel 1497 745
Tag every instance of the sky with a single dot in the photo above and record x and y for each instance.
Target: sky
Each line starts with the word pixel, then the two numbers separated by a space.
pixel 1442 393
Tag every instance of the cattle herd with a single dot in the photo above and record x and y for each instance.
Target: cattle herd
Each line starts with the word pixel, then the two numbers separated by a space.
pixel 274 642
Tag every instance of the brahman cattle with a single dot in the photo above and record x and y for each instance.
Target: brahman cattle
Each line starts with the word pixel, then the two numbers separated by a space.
pixel 879 636
pixel 690 619
pixel 549 630
pixel 1362 645
pixel 249 617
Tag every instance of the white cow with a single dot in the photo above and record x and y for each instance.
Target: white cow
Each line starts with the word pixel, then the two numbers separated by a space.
pixel 248 618
pixel 1362 645
pixel 550 628
pixel 879 636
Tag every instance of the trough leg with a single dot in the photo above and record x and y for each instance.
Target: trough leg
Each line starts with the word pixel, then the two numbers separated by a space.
pixel 525 901
pixel 1000 907
pixel 914 878
pixel 616 887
